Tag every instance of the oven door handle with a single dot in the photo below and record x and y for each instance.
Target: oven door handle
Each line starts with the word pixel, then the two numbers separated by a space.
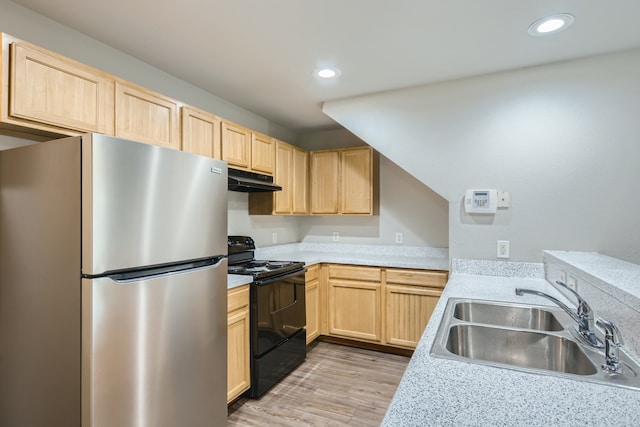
pixel 276 278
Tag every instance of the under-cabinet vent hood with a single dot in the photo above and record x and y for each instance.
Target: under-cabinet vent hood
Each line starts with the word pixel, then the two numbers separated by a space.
pixel 250 182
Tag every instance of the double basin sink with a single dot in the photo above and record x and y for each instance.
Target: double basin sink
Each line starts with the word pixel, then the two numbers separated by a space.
pixel 524 337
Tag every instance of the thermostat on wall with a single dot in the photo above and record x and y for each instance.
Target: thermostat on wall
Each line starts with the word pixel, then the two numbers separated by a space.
pixel 481 201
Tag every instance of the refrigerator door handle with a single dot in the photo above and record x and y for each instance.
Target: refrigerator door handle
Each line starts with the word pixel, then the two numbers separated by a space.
pixel 155 272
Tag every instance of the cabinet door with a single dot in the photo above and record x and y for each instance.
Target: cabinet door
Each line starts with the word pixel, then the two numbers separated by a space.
pixel 313 302
pixel 236 145
pixel 283 177
pixel 355 305
pixel 325 181
pixel 262 153
pixel 408 311
pixel 50 92
pixel 238 375
pixel 356 190
pixel 200 133
pixel 300 179
pixel 411 296
pixel 146 116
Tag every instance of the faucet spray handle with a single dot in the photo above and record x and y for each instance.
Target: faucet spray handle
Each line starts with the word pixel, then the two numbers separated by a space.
pixel 610 331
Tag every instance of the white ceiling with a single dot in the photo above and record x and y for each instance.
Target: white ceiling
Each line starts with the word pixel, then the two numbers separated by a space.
pixel 260 54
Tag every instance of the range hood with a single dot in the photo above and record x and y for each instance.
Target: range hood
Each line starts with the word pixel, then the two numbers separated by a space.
pixel 250 182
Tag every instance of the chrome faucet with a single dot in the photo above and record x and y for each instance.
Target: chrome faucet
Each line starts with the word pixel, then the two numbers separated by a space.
pixel 583 315
pixel 612 341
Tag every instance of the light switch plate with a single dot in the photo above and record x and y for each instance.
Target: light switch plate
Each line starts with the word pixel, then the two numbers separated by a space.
pixel 504 199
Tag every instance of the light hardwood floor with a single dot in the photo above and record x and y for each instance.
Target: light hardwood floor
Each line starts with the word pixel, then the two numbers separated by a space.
pixel 336 386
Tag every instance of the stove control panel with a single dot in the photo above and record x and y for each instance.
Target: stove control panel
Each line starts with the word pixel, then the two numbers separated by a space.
pixel 240 243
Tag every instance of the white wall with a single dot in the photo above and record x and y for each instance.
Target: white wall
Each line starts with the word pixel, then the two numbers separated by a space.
pixel 563 139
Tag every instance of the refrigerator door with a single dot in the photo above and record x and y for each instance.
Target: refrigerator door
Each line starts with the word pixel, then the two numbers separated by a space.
pixel 146 205
pixel 154 350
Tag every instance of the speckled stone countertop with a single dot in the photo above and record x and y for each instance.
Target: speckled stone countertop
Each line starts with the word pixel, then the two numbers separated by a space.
pixel 601 270
pixel 381 256
pixel 235 280
pixel 376 255
pixel 441 392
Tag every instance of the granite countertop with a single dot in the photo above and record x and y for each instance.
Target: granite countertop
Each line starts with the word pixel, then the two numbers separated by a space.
pixel 442 392
pixel 375 255
pixel 235 280
pixel 602 271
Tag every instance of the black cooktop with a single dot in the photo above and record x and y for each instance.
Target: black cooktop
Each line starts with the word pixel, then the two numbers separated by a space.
pixel 242 261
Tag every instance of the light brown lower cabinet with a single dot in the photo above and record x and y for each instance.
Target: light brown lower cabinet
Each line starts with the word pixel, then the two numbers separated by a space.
pixel 238 374
pixel 355 296
pixel 312 298
pixel 388 306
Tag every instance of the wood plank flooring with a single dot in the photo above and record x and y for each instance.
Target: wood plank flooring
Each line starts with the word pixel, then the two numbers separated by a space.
pixel 337 385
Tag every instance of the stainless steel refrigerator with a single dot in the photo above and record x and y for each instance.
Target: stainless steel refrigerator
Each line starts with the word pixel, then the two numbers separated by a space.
pixel 112 285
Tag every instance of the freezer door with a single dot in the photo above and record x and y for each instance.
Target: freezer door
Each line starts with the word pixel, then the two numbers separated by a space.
pixel 147 205
pixel 154 350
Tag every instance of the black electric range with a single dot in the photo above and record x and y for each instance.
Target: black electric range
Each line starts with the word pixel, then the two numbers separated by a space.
pixel 277 314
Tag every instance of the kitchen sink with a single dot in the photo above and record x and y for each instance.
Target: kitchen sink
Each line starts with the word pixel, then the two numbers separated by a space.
pixel 531 338
pixel 526 349
pixel 510 315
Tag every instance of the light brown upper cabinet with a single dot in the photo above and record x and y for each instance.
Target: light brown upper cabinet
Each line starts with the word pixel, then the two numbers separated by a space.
pixel 262 153
pixel 146 116
pixel 236 145
pixel 245 149
pixel 342 181
pixel 46 94
pixel 200 132
pixel 291 172
pixel 300 182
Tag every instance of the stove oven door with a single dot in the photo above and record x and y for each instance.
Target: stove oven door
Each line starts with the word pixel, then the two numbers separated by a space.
pixel 278 310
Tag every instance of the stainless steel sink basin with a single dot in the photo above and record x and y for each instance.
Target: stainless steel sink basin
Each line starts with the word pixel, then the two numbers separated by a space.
pixel 531 338
pixel 525 349
pixel 517 316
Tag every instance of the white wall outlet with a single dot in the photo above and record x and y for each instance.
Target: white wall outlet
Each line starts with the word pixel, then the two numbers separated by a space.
pixel 336 236
pixel 572 283
pixel 503 249
pixel 274 237
pixel 504 199
pixel 399 237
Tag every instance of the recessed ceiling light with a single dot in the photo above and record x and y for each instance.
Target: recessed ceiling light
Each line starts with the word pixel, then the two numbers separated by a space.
pixel 327 73
pixel 551 24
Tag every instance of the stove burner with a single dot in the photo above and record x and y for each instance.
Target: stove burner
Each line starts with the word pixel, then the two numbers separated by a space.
pixel 272 265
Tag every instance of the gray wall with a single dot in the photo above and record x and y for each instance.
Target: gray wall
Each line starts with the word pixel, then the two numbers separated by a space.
pixel 425 223
pixel 29 26
pixel 563 139
pixel 406 205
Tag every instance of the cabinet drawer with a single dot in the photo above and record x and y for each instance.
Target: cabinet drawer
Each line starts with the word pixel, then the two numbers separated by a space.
pixel 435 279
pixel 354 273
pixel 237 298
pixel 313 273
